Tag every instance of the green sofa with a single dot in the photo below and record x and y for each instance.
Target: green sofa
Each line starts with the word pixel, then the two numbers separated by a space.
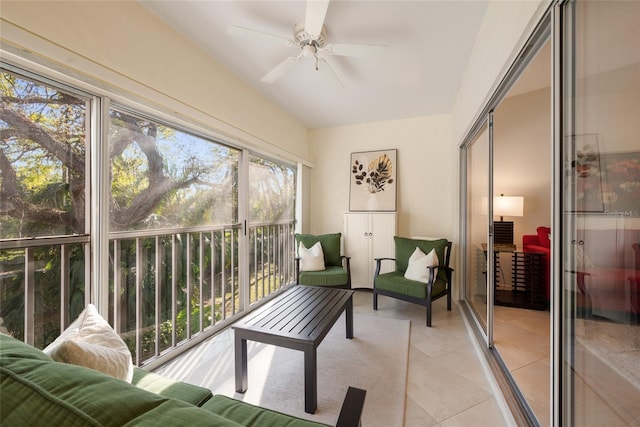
pixel 35 390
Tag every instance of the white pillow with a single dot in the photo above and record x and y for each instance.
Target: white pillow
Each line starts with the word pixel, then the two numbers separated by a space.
pixel 91 342
pixel 311 259
pixel 418 263
pixel 582 259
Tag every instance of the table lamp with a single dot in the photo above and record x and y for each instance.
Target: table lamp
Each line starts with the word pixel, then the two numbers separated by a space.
pixel 506 206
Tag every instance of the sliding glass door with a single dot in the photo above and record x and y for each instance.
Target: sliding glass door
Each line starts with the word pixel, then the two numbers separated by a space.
pixel 600 266
pixel 477 271
pixel 507 201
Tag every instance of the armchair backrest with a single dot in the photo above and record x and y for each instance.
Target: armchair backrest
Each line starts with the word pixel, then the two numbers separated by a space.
pixel 405 247
pixel 330 246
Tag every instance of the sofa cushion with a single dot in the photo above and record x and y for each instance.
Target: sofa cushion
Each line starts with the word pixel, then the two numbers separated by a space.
pixel 396 282
pixel 167 387
pixel 11 348
pixel 176 413
pixel 249 415
pixel 330 246
pixel 34 388
pixel 90 341
pixel 330 276
pixel 405 247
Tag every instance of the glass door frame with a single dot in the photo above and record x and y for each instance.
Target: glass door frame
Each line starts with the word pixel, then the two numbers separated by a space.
pixel 540 35
pixel 485 124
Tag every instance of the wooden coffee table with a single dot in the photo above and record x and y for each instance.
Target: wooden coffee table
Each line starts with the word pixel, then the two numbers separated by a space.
pixel 299 319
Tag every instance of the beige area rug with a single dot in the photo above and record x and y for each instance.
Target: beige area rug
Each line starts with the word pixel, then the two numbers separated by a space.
pixel 376 360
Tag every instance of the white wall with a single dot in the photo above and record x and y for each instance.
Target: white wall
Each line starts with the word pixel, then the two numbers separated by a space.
pixel 505 28
pixel 122 44
pixel 426 175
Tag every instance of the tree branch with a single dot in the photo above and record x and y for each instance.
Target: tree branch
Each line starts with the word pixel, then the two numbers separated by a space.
pixel 145 202
pixel 14 205
pixel 35 133
pixel 63 100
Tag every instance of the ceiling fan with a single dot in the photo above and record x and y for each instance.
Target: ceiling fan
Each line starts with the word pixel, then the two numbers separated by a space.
pixel 311 38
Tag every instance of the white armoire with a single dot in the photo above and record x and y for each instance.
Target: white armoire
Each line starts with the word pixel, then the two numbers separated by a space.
pixel 368 235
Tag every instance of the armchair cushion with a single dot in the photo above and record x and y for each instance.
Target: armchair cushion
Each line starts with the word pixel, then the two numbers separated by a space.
pixel 405 248
pixel 330 246
pixel 397 283
pixel 330 276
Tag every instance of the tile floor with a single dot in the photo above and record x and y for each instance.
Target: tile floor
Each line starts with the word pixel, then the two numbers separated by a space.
pixel 522 338
pixel 606 369
pixel 448 382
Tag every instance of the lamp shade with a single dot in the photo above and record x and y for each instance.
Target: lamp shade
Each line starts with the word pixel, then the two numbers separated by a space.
pixel 508 206
pixel 504 206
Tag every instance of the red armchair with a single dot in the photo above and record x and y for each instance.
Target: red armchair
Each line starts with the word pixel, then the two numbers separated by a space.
pixel 541 243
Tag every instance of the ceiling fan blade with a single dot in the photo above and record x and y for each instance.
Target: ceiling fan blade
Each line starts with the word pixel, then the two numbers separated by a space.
pixel 356 50
pixel 332 71
pixel 280 69
pixel 243 31
pixel 314 16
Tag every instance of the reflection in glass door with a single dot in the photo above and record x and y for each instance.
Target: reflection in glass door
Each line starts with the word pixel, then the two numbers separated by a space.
pixel 600 264
pixel 477 273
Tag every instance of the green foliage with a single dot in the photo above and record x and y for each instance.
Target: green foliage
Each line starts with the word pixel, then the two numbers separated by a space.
pixel 47 297
pixel 161 177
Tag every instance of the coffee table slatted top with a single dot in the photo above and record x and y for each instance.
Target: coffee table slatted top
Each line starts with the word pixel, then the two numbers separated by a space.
pixel 301 313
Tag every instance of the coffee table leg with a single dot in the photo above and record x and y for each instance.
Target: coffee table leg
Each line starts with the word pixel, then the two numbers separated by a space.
pixel 310 381
pixel 349 318
pixel 241 363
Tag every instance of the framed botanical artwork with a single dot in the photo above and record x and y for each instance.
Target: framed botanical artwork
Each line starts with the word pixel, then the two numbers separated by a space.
pixel 373 181
pixel 585 174
pixel 603 182
pixel 621 183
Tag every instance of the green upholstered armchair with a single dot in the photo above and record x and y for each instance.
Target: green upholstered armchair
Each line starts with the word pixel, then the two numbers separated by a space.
pixel 394 284
pixel 337 271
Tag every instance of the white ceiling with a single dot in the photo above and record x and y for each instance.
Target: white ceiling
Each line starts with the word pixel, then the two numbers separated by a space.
pixel 419 73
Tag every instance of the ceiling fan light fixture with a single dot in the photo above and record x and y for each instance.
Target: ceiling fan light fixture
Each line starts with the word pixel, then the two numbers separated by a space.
pixel 310 37
pixel 309 51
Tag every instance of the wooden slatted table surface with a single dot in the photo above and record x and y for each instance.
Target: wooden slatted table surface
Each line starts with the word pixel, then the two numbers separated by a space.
pixel 299 319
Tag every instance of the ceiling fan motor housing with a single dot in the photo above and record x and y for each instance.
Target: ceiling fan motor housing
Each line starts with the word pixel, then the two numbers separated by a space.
pixel 303 38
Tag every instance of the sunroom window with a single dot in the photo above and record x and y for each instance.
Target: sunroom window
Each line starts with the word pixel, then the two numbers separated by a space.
pixel 43 193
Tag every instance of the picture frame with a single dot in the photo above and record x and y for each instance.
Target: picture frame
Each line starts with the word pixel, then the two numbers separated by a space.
pixel 373 181
pixel 585 174
pixel 621 183
pixel 603 182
